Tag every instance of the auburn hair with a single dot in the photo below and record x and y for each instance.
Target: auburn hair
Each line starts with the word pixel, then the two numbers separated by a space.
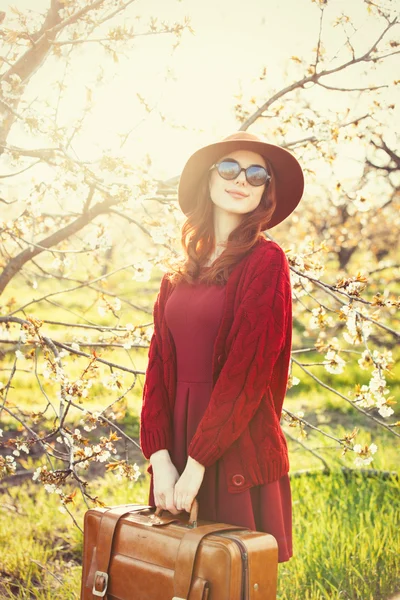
pixel 198 240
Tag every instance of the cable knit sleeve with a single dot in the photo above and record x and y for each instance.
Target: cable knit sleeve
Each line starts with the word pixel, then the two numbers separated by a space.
pixel 155 417
pixel 255 342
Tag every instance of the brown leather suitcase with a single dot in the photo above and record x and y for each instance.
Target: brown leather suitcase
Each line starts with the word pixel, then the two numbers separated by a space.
pixel 139 552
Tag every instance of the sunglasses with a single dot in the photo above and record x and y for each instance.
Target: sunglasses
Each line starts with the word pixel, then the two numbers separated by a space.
pixel 229 168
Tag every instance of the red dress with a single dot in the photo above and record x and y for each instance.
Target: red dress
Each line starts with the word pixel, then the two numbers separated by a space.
pixel 193 313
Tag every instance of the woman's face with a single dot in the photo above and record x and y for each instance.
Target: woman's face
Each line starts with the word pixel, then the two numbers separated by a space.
pixel 220 188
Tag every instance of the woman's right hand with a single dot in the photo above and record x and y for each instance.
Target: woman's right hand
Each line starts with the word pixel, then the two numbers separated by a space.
pixel 165 476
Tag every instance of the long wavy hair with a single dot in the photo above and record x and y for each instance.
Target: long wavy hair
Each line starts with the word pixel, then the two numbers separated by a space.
pixel 198 239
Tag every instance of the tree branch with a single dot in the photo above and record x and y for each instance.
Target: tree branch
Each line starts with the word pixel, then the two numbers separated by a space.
pixel 15 264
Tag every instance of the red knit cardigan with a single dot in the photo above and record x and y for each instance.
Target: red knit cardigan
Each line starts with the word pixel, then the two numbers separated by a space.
pixel 251 358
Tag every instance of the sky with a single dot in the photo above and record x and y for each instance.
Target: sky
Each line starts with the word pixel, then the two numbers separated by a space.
pixel 195 86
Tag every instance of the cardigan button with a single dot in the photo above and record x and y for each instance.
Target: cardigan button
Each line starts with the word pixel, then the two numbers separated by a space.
pixel 238 479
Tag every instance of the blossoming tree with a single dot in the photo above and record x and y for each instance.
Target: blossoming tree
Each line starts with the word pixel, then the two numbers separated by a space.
pixel 80 223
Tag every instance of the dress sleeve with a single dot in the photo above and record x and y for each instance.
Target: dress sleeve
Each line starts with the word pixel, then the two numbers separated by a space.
pixel 259 334
pixel 155 417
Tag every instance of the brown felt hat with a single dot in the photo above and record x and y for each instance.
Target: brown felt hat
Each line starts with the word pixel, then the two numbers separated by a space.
pixel 288 174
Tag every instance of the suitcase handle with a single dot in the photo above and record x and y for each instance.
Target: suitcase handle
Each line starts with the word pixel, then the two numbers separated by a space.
pixel 194 512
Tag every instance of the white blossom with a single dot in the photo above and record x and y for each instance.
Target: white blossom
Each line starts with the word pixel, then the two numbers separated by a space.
pixel 110 446
pixel 377 382
pixel 110 382
pixel 320 319
pixel 89 427
pixel 143 270
pixel 24 446
pixel 11 466
pixel 47 373
pixel 365 397
pixel 103 456
pixel 363 457
pixel 322 131
pixel 360 462
pixel 50 487
pixel 161 234
pixel 36 473
pixel 336 363
pixel 385 410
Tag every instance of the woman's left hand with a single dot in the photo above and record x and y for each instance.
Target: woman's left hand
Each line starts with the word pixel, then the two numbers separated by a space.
pixel 188 485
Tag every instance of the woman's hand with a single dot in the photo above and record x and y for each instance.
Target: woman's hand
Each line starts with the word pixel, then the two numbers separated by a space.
pixel 189 483
pixel 165 475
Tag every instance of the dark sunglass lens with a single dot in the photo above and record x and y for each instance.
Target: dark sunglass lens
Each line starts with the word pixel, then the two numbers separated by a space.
pixel 228 169
pixel 256 175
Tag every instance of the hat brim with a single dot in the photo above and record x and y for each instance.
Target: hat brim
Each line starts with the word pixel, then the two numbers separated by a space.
pixel 289 178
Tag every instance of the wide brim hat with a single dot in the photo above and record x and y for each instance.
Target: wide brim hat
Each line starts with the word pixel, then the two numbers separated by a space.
pixel 288 174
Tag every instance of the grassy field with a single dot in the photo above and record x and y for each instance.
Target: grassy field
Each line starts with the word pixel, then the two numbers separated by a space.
pixel 346 539
pixel 346 529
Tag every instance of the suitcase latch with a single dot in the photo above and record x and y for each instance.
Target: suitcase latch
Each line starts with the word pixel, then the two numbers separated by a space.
pixel 98 592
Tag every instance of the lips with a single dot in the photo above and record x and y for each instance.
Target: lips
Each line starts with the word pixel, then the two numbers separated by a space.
pixel 237 194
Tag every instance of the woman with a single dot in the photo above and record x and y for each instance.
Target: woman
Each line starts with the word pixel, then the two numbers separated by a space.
pixel 220 353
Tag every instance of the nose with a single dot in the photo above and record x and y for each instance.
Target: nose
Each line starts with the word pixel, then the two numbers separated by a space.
pixel 241 178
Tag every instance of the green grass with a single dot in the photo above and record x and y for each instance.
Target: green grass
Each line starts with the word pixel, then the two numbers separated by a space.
pixel 346 539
